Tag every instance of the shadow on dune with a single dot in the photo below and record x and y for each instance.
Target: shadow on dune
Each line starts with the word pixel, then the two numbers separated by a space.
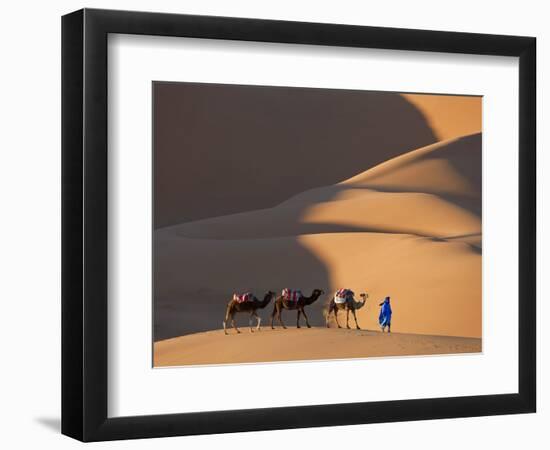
pixel 189 300
pixel 222 149
pixel 298 227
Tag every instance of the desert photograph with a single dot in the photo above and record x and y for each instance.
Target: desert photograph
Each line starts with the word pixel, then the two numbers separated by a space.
pixel 295 224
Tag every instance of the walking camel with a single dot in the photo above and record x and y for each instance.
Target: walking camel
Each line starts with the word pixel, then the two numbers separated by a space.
pixel 348 305
pixel 298 304
pixel 250 304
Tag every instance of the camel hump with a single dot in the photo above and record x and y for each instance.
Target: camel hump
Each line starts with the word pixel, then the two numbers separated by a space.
pixel 291 295
pixel 343 295
pixel 243 298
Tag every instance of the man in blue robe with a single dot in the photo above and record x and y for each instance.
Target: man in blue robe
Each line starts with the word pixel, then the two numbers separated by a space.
pixel 385 315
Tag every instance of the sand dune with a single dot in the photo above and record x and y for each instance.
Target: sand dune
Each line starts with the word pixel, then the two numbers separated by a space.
pixel 409 228
pixel 435 285
pixel 433 191
pixel 449 116
pixel 214 142
pixel 283 140
pixel 305 344
pixel 448 167
pixel 412 213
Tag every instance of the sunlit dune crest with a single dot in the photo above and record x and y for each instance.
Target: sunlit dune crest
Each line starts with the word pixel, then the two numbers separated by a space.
pixel 448 167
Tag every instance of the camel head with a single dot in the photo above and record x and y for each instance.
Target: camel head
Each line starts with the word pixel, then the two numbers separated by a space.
pixel 315 295
pixel 363 300
pixel 269 295
pixel 267 298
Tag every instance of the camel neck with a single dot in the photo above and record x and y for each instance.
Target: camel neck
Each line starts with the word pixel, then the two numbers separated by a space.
pixel 311 299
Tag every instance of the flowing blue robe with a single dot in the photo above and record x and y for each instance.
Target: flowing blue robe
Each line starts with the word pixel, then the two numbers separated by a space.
pixel 385 314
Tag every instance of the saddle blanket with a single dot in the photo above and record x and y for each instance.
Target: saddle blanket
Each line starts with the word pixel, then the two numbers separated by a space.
pixel 243 298
pixel 342 295
pixel 291 295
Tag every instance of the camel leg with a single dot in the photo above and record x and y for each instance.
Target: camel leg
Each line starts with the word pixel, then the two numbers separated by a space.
pixel 279 316
pixel 347 318
pixel 234 324
pixel 226 318
pixel 298 319
pixel 336 316
pixel 273 315
pixel 327 317
pixel 259 320
pixel 307 321
pixel 250 321
pixel 355 317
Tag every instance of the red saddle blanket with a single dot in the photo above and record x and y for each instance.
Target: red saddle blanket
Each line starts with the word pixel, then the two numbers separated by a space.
pixel 291 295
pixel 243 298
pixel 343 293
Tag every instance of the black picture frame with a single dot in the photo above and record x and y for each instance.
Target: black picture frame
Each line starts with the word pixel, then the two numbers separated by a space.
pixel 84 224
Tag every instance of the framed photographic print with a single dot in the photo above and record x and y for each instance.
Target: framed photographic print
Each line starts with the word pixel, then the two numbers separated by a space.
pixel 344 215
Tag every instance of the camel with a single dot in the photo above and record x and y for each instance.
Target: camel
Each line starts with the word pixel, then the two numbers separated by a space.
pixel 234 307
pixel 281 303
pixel 349 305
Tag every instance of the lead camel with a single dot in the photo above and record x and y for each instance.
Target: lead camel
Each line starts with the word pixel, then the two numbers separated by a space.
pixel 349 305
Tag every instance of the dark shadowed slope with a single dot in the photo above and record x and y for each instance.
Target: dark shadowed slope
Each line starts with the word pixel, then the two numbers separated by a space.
pixel 222 149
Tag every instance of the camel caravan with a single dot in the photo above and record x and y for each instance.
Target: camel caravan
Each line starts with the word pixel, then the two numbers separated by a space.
pixel 342 300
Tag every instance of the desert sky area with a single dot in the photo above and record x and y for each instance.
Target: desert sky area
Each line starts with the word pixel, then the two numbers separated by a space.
pixel 262 188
